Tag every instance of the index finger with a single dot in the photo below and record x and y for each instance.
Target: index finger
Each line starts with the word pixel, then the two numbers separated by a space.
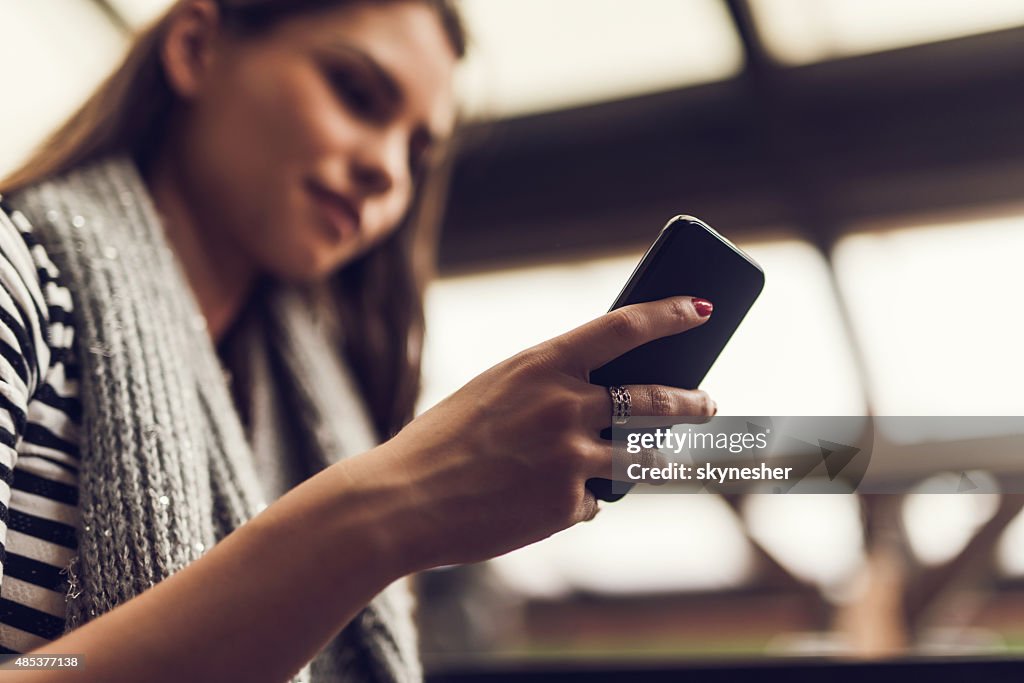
pixel 593 344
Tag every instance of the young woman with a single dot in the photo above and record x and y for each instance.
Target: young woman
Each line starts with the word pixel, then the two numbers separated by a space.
pixel 210 328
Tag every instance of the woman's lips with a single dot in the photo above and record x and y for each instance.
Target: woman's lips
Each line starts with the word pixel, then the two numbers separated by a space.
pixel 341 216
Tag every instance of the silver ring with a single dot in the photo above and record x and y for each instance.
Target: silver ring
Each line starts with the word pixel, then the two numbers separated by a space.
pixel 622 404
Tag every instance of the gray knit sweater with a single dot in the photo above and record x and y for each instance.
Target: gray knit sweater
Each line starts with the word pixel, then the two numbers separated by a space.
pixel 167 469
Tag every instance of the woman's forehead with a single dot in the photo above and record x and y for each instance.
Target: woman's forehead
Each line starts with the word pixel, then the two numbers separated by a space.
pixel 405 40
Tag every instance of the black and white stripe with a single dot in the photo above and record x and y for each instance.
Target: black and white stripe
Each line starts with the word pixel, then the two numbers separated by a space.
pixel 40 419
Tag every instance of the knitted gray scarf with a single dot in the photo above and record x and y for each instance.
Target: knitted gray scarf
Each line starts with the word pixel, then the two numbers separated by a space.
pixel 166 468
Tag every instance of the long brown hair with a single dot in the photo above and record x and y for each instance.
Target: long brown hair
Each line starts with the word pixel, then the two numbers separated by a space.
pixel 377 300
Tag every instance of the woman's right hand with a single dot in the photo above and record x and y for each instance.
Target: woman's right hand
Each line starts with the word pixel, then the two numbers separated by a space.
pixel 497 465
pixel 503 462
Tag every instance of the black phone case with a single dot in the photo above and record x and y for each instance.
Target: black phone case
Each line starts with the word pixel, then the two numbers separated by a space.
pixel 688 258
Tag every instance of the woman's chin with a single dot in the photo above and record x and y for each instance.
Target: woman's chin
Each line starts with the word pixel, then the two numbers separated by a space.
pixel 311 265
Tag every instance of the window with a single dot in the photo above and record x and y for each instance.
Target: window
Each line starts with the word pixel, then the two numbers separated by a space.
pixel 801 31
pixel 533 55
pixel 793 340
pixel 63 48
pixel 139 12
pixel 932 307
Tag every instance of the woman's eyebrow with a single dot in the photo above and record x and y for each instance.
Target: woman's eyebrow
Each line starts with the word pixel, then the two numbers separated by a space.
pixel 389 83
pixel 394 90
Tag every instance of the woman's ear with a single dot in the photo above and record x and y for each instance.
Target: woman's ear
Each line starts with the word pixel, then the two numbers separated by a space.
pixel 188 46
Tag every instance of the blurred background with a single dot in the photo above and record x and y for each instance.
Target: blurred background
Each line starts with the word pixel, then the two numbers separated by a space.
pixel 868 153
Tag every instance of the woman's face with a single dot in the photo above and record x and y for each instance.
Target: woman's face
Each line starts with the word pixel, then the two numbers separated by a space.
pixel 302 143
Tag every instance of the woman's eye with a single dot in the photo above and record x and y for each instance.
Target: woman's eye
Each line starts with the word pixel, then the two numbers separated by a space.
pixel 355 94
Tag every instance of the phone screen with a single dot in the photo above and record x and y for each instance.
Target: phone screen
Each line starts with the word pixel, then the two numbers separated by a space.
pixel 688 258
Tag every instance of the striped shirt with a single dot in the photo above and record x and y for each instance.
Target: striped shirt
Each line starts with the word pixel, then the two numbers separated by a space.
pixel 40 419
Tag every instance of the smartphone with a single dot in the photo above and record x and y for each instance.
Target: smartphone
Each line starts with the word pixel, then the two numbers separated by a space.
pixel 688 258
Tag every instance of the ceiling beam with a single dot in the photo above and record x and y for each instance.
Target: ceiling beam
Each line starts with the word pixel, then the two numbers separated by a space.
pixel 922 129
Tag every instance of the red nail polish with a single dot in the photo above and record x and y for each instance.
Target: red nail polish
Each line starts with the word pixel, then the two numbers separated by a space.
pixel 703 307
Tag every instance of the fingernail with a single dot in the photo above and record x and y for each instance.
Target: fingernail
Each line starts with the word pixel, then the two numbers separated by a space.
pixel 703 307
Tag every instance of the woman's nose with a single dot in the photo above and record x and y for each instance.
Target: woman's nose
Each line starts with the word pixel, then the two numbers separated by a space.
pixel 379 163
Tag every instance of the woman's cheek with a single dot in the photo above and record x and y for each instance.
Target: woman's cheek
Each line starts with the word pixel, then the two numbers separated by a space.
pixel 386 219
pixel 399 205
